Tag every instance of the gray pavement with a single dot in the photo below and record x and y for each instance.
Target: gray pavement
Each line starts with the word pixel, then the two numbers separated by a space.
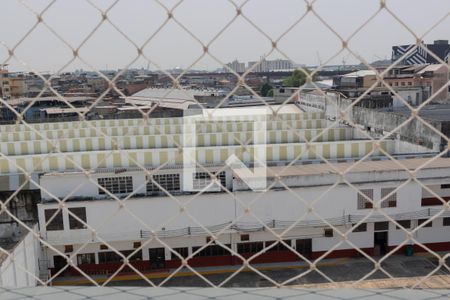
pixel 339 271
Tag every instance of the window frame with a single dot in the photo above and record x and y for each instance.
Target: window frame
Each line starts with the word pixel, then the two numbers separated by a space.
pixel 360 228
pixel 171 182
pixel 54 225
pixel 400 222
pixel 74 224
pixel 421 221
pixel 115 185
pixel 446 221
pixel 362 202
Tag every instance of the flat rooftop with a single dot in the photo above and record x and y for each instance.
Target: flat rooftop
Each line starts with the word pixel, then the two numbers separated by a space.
pixel 436 112
pixel 367 166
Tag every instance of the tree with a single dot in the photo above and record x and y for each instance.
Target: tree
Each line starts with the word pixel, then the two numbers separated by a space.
pixel 265 89
pixel 297 78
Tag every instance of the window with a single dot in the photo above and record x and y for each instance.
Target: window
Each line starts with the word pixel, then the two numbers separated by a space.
pixel 136 245
pixel 103 247
pixel 278 246
pixel 362 201
pixel 404 224
pixel 433 201
pixel 116 185
pixel 390 201
pixel 183 251
pixel 80 212
pixel 136 256
pixel 328 232
pixel 111 256
pixel 445 186
pixel 361 228
pixel 254 247
pixel 54 222
pixel 403 83
pixel 245 237
pixel 381 226
pixel 169 182
pixel 212 250
pixel 446 221
pixel 68 248
pixel 409 83
pixel 86 258
pixel 421 221
pixel 203 179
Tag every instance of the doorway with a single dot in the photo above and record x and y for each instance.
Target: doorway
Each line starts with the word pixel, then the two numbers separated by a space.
pixel 59 262
pixel 304 247
pixel 157 257
pixel 380 241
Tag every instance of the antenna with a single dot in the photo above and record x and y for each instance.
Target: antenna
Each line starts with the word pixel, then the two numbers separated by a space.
pixel 318 58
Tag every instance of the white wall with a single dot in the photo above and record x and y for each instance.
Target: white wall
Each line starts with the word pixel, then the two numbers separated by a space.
pixel 437 190
pixel 116 223
pixel 23 270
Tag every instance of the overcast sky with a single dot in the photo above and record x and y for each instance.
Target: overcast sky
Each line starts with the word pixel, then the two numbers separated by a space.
pixel 307 43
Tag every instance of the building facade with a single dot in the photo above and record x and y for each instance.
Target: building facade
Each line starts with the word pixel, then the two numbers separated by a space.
pixel 440 49
pixel 128 195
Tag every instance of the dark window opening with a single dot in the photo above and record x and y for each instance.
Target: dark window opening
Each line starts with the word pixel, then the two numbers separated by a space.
pixel 381 226
pixel 183 252
pixel 254 247
pixel 212 250
pixel 279 246
pixel 421 221
pixel 245 237
pixel 80 212
pixel 86 258
pixel 404 224
pixel 116 185
pixel 56 222
pixel 360 228
pixel 169 182
pixel 446 221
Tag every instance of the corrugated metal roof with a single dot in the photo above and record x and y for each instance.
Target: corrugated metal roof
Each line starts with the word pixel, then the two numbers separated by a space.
pixel 59 110
pixel 431 68
pixel 360 73
pixel 253 110
pixel 369 166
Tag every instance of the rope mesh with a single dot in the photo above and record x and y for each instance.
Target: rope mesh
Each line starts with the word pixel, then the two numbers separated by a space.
pixel 247 206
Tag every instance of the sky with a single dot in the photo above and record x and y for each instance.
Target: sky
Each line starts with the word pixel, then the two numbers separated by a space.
pixel 309 42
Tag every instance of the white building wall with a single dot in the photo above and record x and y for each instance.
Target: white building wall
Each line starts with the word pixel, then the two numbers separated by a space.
pixel 114 223
pixel 23 269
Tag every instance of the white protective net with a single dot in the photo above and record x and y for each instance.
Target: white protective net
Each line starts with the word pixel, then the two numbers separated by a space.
pixel 336 191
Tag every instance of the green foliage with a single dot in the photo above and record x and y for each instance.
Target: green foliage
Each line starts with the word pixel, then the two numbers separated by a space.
pixel 297 78
pixel 270 93
pixel 265 90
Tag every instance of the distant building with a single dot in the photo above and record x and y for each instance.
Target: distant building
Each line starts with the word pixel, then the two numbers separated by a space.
pixel 440 48
pixel 429 78
pixel 236 66
pixel 414 84
pixel 271 65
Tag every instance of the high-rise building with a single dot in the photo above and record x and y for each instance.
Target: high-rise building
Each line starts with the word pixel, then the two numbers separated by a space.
pixel 236 66
pixel 264 65
pixel 440 49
